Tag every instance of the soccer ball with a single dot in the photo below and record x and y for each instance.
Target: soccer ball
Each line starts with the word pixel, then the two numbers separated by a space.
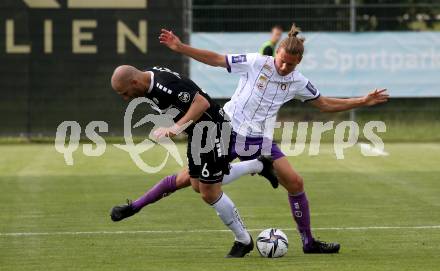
pixel 272 243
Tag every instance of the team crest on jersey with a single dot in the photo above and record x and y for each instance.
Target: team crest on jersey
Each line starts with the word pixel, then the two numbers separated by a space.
pixel 184 97
pixel 283 86
pixel 262 82
pixel 239 59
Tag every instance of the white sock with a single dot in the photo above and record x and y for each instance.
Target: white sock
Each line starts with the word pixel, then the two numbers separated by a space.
pixel 242 168
pixel 229 215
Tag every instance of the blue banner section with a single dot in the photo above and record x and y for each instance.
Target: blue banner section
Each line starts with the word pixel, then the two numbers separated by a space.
pixel 339 64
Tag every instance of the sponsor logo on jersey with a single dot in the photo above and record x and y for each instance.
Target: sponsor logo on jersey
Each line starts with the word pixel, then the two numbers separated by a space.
pixel 311 88
pixel 184 97
pixel 262 81
pixel 155 100
pixel 239 59
pixel 267 70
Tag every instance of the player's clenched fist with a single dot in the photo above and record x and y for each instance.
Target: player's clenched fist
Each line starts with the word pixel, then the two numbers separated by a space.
pixel 169 39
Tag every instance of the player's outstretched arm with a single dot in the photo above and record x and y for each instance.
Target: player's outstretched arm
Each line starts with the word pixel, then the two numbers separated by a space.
pixel 208 57
pixel 327 104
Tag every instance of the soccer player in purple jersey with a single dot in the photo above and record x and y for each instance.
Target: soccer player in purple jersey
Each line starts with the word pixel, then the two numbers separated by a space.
pixel 266 83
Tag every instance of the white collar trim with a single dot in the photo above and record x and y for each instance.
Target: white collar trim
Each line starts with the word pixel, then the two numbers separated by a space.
pixel 151 81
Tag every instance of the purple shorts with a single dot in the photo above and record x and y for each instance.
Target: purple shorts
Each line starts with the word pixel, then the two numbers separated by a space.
pixel 251 147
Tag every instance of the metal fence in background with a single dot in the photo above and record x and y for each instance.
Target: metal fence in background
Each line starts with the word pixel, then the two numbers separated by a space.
pixel 314 15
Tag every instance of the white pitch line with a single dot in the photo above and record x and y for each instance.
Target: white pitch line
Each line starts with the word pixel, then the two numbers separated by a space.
pixel 208 231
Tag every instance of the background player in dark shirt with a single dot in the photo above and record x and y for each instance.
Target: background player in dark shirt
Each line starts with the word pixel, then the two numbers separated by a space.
pixel 169 89
pixel 268 48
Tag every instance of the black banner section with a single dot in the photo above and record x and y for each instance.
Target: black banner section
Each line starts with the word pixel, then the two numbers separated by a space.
pixel 57 57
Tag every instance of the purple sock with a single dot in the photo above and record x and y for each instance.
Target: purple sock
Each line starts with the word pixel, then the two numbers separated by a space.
pixel 162 189
pixel 301 213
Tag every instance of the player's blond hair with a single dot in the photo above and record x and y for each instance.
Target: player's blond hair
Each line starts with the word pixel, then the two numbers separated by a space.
pixel 293 44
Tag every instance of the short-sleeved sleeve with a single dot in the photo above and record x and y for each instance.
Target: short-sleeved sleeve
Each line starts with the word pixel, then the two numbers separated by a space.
pixel 240 63
pixel 307 93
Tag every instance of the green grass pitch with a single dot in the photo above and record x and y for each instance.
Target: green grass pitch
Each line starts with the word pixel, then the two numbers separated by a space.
pixel 385 212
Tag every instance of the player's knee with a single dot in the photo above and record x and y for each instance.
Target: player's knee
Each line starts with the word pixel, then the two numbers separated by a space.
pixel 195 188
pixel 210 192
pixel 205 196
pixel 298 183
pixel 208 197
pixel 183 180
pixel 293 184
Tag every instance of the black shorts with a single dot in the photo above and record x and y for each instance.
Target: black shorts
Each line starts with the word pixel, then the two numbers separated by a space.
pixel 210 166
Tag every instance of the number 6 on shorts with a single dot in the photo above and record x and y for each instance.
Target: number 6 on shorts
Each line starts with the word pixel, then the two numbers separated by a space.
pixel 205 171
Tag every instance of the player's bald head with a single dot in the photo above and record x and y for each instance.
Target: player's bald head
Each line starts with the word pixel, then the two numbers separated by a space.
pixel 130 82
pixel 123 76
